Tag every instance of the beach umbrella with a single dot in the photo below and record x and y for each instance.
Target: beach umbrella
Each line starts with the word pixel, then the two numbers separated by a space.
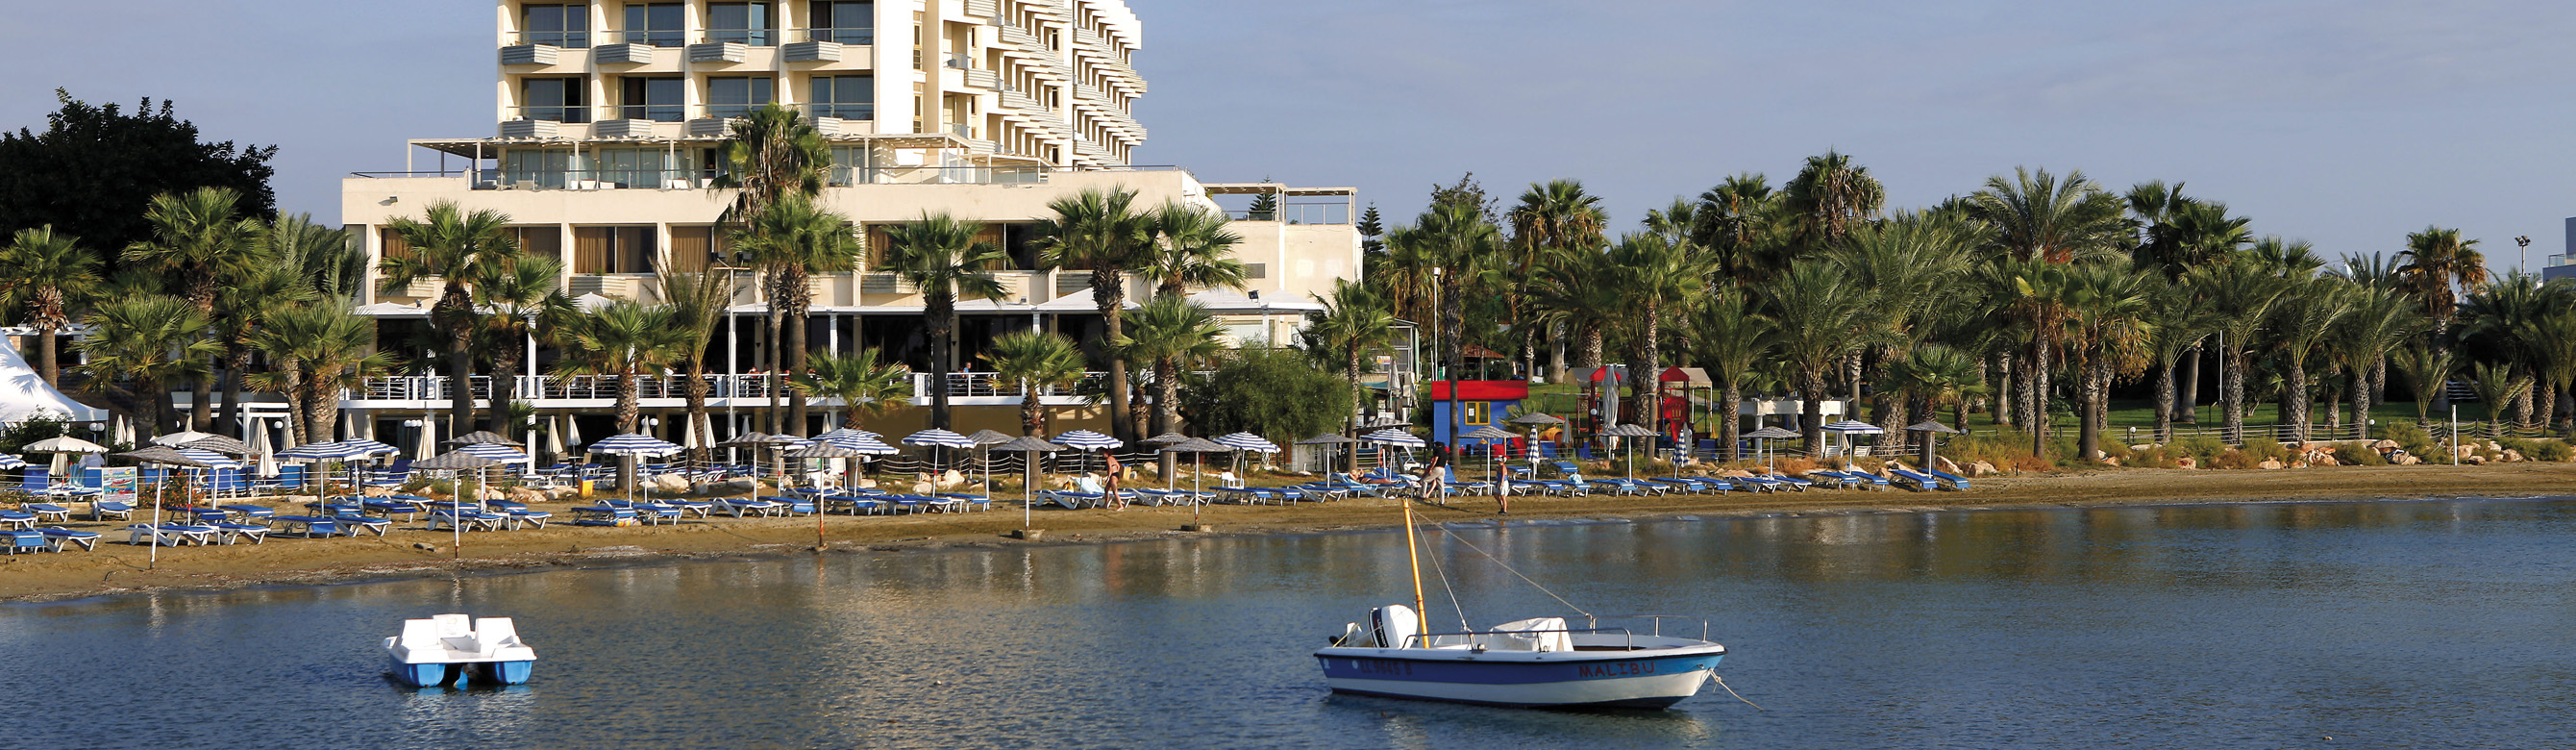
pixel 1197 448
pixel 1029 446
pixel 1768 434
pixel 775 444
pixel 342 450
pixel 481 437
pixel 823 450
pixel 628 447
pixel 1394 436
pixel 1384 422
pixel 555 436
pixel 12 461
pixel 1847 428
pixel 1086 440
pixel 1633 432
pixel 984 442
pixel 1931 429
pixel 62 448
pixel 1242 442
pixel 1332 439
pixel 1534 421
pixel 462 461
pixel 164 455
pixel 1489 434
pixel 177 439
pixel 266 462
pixel 935 438
pixel 216 443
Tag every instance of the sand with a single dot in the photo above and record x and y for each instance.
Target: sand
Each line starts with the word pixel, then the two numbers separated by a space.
pixel 409 551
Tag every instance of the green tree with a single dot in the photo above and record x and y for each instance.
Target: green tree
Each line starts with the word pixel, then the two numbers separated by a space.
pixel 2310 312
pixel 2242 293
pixel 139 343
pixel 2183 320
pixel 1730 338
pixel 2497 384
pixel 2428 373
pixel 248 303
pixel 1169 334
pixel 122 160
pixel 314 351
pixel 2109 308
pixel 46 274
pixel 1818 316
pixel 2037 215
pixel 324 258
pixel 771 154
pixel 1101 232
pixel 622 340
pixel 1193 248
pixel 939 254
pixel 795 239
pixel 1353 323
pixel 519 299
pixel 452 245
pixel 1829 198
pixel 2433 268
pixel 1552 218
pixel 2382 320
pixel 699 303
pixel 1738 221
pixel 1266 391
pixel 1039 362
pixel 866 386
pixel 1659 279
pixel 202 240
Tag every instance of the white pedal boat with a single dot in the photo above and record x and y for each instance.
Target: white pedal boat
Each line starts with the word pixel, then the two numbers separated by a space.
pixel 1535 663
pixel 458 650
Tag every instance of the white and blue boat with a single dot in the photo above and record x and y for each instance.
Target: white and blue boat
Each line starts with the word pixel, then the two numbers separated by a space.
pixel 1539 662
pixel 456 650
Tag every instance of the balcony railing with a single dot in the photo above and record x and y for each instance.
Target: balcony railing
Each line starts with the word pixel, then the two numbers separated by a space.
pixel 847 176
pixel 843 111
pixel 653 112
pixel 753 37
pixel 595 179
pixel 564 39
pixel 566 113
pixel 604 387
pixel 1299 213
pixel 647 37
pixel 837 35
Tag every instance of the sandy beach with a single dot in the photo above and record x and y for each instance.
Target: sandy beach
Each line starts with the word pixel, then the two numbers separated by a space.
pixel 117 567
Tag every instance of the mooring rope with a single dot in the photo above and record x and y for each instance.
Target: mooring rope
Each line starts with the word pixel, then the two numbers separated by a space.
pixel 1721 682
pixel 1443 574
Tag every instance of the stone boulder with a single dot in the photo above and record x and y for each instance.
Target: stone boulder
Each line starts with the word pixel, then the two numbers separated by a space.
pixel 2142 447
pixel 377 492
pixel 951 478
pixel 1946 465
pixel 2473 460
pixel 561 493
pixel 2270 463
pixel 2384 446
pixel 2109 461
pixel 921 488
pixel 1982 469
pixel 2186 462
pixel 743 486
pixel 671 484
pixel 2510 455
pixel 2402 458
pixel 523 495
pixel 2323 459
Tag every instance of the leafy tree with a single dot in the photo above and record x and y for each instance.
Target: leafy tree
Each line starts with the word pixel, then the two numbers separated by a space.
pixel 314 351
pixel 248 303
pixel 1193 248
pixel 865 386
pixel 1169 334
pixel 1738 220
pixel 1819 315
pixel 2428 373
pixel 1102 232
pixel 794 239
pixel 2310 313
pixel 622 340
pixel 1829 198
pixel 520 298
pixel 940 255
pixel 140 343
pixel 2037 215
pixel 1039 362
pixel 1731 338
pixel 1354 322
pixel 1372 229
pixel 698 304
pixel 2242 293
pixel 2497 384
pixel 1266 391
pixel 204 242
pixel 1658 278
pixel 1552 218
pixel 121 161
pixel 452 245
pixel 47 273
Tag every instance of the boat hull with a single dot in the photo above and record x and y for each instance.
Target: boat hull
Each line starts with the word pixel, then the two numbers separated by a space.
pixel 1557 680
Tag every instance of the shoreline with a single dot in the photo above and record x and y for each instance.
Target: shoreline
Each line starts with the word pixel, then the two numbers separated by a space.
pixel 117 569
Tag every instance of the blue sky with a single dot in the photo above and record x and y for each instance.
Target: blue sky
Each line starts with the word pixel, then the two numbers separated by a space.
pixel 2344 123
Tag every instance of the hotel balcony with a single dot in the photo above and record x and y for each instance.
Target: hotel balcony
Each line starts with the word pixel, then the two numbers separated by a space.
pixel 416 392
pixel 833 45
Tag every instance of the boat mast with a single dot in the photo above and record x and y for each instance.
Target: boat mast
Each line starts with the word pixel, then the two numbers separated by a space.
pixel 1412 555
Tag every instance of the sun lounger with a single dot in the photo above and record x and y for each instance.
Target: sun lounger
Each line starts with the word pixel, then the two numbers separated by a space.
pixel 48 512
pixel 171 534
pixel 1794 484
pixel 57 537
pixel 602 515
pixel 11 519
pixel 741 506
pixel 103 509
pixel 853 504
pixel 17 541
pixel 1949 481
pixel 469 520
pixel 792 505
pixel 234 533
pixel 1912 480
pixel 304 526
pixel 354 524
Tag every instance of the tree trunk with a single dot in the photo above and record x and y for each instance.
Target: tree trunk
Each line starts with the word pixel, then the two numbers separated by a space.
pixel 1556 356
pixel 1031 421
pixel 1811 411
pixel 771 367
pixel 1588 348
pixel 2361 403
pixel 2522 407
pixel 941 317
pixel 695 393
pixel 505 386
pixel 2040 390
pixel 291 377
pixel 2005 398
pixel 1108 295
pixel 1350 428
pixel 2088 437
pixel 460 380
pixel 48 361
pixel 2190 399
pixel 2233 395
pixel 2165 402
pixel 1729 427
pixel 1648 378
pixel 2294 404
pixel 629 410
pixel 800 302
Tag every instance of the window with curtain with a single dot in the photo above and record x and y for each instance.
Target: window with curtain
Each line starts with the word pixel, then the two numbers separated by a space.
pixel 844 97
pixel 693 248
pixel 657 24
pixel 653 98
pixel 619 249
pixel 844 22
pixel 394 244
pixel 745 23
pixel 735 96
pixel 565 26
pixel 540 241
pixel 554 99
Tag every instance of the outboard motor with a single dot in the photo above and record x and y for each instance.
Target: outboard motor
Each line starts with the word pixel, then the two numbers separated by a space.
pixel 1395 625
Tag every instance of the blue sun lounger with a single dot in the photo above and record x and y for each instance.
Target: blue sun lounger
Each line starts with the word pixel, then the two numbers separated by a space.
pixel 87 540
pixel 102 510
pixel 305 526
pixel 1915 481
pixel 15 541
pixel 1951 481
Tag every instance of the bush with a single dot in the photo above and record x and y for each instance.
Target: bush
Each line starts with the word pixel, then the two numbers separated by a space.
pixel 2202 449
pixel 2232 459
pixel 2356 454
pixel 2260 449
pixel 1273 392
pixel 2154 457
pixel 2007 450
pixel 2410 437
pixel 2544 449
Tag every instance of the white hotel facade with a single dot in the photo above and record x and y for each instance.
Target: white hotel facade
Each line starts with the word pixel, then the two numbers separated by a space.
pixel 607 116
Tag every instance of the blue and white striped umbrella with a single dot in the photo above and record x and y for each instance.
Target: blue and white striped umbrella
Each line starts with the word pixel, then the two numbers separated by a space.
pixel 938 438
pixel 633 444
pixel 1394 436
pixel 12 461
pixel 495 451
pixel 1086 440
pixel 867 445
pixel 840 433
pixel 1245 441
pixel 336 450
pixel 211 459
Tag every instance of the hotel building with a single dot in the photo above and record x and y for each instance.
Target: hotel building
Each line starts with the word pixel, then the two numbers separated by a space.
pixel 608 117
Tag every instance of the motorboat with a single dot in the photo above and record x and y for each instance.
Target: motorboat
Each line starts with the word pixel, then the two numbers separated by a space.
pixel 1538 662
pixel 457 650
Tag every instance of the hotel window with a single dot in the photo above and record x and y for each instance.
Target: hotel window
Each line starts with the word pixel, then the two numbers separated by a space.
pixel 540 241
pixel 693 248
pixel 849 166
pixel 526 168
pixel 735 96
pixel 845 97
pixel 657 24
pixel 635 167
pixel 612 249
pixel 844 22
pixel 748 23
pixel 556 99
pixel 657 99
pixel 1475 412
pixel 559 25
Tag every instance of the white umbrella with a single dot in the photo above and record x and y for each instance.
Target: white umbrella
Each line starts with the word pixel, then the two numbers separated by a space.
pixel 555 435
pixel 1028 447
pixel 1488 434
pixel 62 448
pixel 265 458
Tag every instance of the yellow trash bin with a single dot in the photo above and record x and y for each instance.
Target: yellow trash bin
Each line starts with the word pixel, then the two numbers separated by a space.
pixel 586 487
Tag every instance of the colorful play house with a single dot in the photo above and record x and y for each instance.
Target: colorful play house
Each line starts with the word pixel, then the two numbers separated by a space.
pixel 1478 403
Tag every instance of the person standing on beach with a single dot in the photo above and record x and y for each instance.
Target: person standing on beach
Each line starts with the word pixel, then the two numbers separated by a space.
pixel 1111 462
pixel 1431 473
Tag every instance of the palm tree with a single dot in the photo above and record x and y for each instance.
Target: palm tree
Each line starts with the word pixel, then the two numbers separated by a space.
pixel 247 304
pixel 2036 215
pixel 2428 373
pixel 522 298
pixel 1818 316
pixel 1931 377
pixel 1552 218
pixel 1194 249
pixel 2434 266
pixel 699 302
pixel 1456 238
pixel 1730 338
pixel 1911 261
pixel 314 351
pixel 2034 294
pixel 1579 291
pixel 2193 233
pixel 865 386
pixel 453 245
pixel 1658 278
pixel 202 239
pixel 2382 320
pixel 146 341
pixel 2109 306
pixel 939 255
pixel 2494 317
pixel 2550 340
pixel 770 155
pixel 1829 198
pixel 622 340
pixel 2497 383
pixel 1039 361
pixel 1102 233
pixel 2183 320
pixel 46 273
pixel 1738 222
pixel 1170 333
pixel 325 258
pixel 2242 293
pixel 1354 321
pixel 2310 312
pixel 795 239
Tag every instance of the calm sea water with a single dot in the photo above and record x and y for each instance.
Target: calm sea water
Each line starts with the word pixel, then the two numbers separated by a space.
pixel 2435 624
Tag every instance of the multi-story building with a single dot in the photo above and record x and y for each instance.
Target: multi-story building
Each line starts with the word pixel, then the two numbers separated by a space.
pixel 2562 265
pixel 609 118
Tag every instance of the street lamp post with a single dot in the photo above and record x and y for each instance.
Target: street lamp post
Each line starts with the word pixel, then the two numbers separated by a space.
pixel 2524 242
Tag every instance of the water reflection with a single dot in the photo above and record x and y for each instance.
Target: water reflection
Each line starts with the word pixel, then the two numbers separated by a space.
pixel 2183 625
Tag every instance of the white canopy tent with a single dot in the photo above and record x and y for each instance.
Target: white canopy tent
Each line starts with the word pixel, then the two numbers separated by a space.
pixel 24 394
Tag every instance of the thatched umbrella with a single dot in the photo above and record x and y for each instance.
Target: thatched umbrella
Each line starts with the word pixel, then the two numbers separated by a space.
pixel 1931 429
pixel 1197 448
pixel 1768 434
